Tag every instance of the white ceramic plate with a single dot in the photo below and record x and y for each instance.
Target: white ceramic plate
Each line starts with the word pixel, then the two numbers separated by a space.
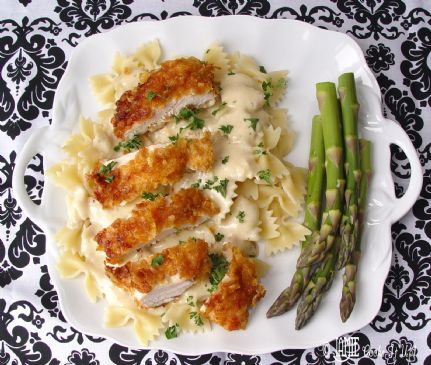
pixel 311 55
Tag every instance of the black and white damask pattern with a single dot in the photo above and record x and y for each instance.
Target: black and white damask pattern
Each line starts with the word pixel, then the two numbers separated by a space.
pixel 36 39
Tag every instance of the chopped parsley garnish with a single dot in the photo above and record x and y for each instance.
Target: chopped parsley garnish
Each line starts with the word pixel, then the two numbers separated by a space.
pixel 218 236
pixel 190 116
pixel 150 196
pixel 133 143
pixel 215 184
pixel 267 91
pixel 197 184
pixel 171 332
pixel 253 122
pixel 268 88
pixel 230 73
pixel 221 106
pixel 262 69
pixel 222 187
pixel 196 123
pixel 196 318
pixel 151 95
pixel 157 260
pixel 260 151
pixel 265 175
pixel 219 267
pixel 225 160
pixel 241 216
pixel 106 169
pixel 281 83
pixel 226 129
pixel 209 183
pixel 190 301
pixel 185 113
pixel 174 139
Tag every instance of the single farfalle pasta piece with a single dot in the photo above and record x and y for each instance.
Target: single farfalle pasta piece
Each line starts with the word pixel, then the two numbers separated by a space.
pixel 292 234
pixel 67 175
pixel 147 325
pixel 148 55
pixel 72 265
pixel 216 56
pixel 103 88
pixel 69 238
pixel 247 65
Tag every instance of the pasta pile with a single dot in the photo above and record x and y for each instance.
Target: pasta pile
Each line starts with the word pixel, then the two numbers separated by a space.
pixel 268 190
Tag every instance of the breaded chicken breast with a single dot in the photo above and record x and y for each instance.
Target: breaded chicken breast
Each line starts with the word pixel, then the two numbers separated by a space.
pixel 239 290
pixel 176 84
pixel 153 220
pixel 165 275
pixel 147 169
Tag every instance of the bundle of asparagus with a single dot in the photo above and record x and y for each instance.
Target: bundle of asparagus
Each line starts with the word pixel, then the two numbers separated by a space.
pixel 334 241
pixel 316 161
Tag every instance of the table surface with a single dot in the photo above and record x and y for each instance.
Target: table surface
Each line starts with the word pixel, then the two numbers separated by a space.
pixel 36 40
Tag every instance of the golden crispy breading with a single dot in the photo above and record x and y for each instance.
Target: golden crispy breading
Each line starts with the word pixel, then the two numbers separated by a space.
pixel 150 218
pixel 151 168
pixel 201 153
pixel 173 81
pixel 189 260
pixel 239 290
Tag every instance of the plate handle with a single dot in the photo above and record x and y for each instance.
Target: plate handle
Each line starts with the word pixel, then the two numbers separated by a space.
pixel 33 145
pixel 399 137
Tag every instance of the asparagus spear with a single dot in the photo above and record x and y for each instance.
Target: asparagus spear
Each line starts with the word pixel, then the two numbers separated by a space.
pixel 348 297
pixel 349 220
pixel 319 284
pixel 290 295
pixel 335 183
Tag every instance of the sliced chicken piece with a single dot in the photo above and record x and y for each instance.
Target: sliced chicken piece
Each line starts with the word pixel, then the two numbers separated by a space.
pixel 239 290
pixel 161 277
pixel 165 293
pixel 175 85
pixel 148 168
pixel 152 220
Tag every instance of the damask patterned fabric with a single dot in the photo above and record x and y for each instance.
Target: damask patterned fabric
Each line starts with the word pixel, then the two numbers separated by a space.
pixel 36 40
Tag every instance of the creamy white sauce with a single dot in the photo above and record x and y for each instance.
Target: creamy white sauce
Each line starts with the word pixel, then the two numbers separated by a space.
pixel 105 217
pixel 77 207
